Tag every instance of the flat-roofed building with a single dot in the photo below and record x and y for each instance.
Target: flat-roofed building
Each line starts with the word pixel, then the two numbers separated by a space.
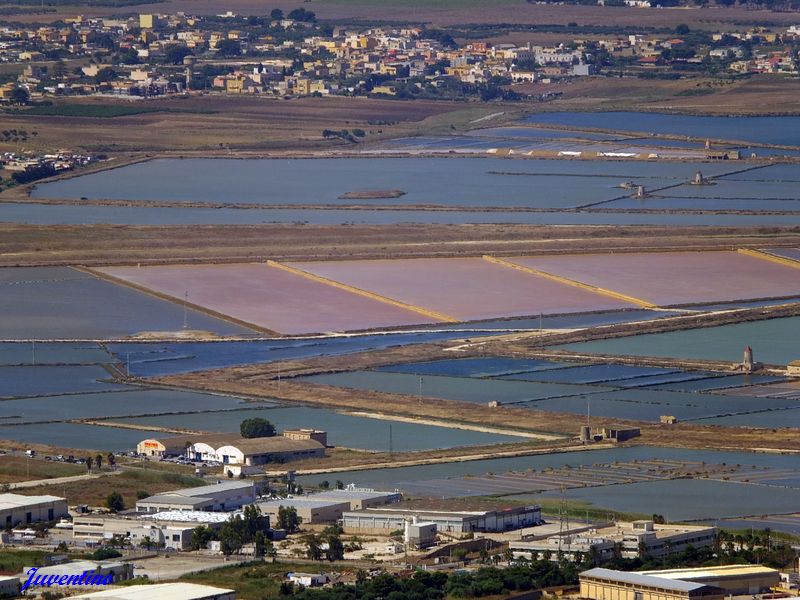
pixel 223 496
pixel 381 520
pixel 635 539
pixel 736 580
pixel 607 584
pixel 163 591
pixel 310 509
pixel 360 498
pixel 173 528
pixel 640 538
pixel 317 435
pixel 567 547
pixel 17 508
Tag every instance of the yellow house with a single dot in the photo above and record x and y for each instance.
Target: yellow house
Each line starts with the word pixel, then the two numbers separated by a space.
pixel 146 21
pixel 384 89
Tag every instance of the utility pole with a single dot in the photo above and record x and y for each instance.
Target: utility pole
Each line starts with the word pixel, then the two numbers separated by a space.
pixel 33 352
pixel 420 389
pixel 391 441
pixel 185 309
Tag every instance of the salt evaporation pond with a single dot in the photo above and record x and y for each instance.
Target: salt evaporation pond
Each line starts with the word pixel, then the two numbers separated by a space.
pixel 430 181
pixel 764 130
pixel 42 380
pixel 448 388
pixel 52 353
pixel 77 435
pixel 709 499
pixel 344 430
pixel 774 341
pixel 404 478
pixel 131 401
pixel 160 358
pixel 60 302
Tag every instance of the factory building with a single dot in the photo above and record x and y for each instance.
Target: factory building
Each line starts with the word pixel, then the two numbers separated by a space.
pixel 17 509
pixel 635 540
pixel 360 498
pixel 793 368
pixel 382 520
pixel 225 496
pixel 162 591
pixel 607 584
pixel 230 448
pixel 172 528
pixel 735 580
pixel 569 547
pixel 641 538
pixel 309 509
pixel 330 506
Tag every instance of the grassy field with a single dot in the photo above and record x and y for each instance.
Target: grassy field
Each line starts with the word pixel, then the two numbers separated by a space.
pixel 214 123
pixel 13 561
pixel 129 484
pixel 19 468
pixel 256 580
pixel 85 110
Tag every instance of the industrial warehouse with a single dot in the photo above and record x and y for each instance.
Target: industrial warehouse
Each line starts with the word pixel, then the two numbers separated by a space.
pixel 382 520
pixel 222 496
pixel 232 449
pixel 16 509
pixel 632 540
pixel 703 582
pixel 329 506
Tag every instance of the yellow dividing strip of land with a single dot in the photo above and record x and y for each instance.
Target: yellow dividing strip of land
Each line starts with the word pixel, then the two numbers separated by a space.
pixel 371 295
pixel 786 262
pixel 572 282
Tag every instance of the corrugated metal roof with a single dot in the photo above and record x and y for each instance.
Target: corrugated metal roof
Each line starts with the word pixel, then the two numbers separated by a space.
pixel 706 572
pixel 644 580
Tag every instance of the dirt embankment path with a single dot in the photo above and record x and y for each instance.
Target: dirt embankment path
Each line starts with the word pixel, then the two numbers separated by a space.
pixel 35 245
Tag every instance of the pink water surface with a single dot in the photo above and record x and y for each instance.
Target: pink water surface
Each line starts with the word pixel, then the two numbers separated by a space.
pixel 269 297
pixel 667 278
pixel 464 288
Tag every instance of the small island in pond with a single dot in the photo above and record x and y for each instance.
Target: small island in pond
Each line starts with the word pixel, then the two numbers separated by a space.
pixel 371 194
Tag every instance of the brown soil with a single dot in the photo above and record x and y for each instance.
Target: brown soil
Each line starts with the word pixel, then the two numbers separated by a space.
pixel 29 245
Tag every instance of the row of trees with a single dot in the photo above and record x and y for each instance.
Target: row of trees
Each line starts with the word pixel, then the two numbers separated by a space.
pixel 239 530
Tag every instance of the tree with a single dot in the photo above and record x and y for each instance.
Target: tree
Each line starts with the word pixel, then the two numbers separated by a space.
pixel 682 29
pixel 256 428
pixel 112 461
pixel 105 75
pixel 60 70
pixel 335 549
pixel 115 501
pixel 276 14
pixel 200 537
pixel 89 463
pixel 339 484
pixel 99 461
pixel 287 518
pixel 20 96
pixel 301 14
pixel 230 540
pixel 313 548
pixel 175 53
pixel 229 48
